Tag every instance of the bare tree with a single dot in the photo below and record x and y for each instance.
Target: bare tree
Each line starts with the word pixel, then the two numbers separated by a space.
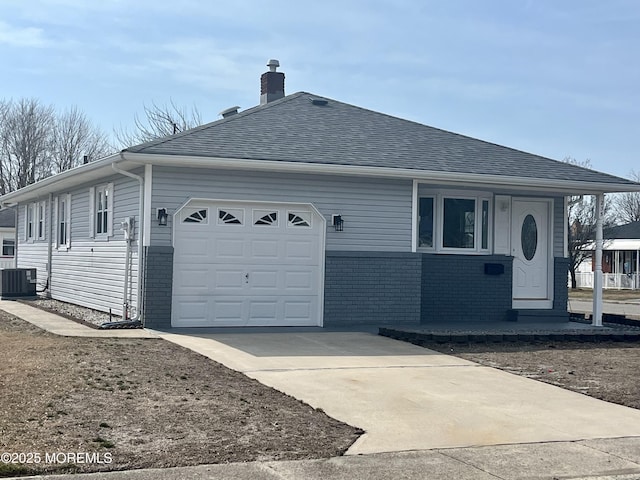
pixel 158 121
pixel 24 143
pixel 582 224
pixel 72 137
pixel 628 204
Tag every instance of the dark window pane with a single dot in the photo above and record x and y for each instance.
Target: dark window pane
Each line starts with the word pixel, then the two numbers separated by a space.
pixel 459 223
pixel 529 237
pixel 485 224
pixel 425 228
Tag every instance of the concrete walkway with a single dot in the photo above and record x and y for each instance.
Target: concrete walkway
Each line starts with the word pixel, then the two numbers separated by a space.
pixel 65 327
pixel 615 459
pixel 409 398
pixel 421 400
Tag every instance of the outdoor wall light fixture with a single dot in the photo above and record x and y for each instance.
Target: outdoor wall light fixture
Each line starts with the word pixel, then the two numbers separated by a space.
pixel 338 222
pixel 162 217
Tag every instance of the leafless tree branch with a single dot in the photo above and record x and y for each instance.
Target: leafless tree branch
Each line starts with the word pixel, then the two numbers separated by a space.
pixel 158 121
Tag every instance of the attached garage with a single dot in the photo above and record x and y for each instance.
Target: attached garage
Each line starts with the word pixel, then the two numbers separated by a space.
pixel 247 264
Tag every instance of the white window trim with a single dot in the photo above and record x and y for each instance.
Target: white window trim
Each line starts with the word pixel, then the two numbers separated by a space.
pixel 13 241
pixel 67 218
pixel 93 227
pixel 41 220
pixel 438 220
pixel 29 221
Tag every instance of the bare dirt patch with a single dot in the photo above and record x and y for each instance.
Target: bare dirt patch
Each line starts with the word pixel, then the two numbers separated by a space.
pixel 605 370
pixel 144 403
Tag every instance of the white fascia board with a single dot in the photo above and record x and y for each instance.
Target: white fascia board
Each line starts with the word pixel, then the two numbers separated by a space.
pixel 68 179
pixel 129 160
pixel 563 187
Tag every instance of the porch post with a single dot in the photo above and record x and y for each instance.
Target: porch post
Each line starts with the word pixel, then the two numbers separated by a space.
pixel 597 273
pixel 636 277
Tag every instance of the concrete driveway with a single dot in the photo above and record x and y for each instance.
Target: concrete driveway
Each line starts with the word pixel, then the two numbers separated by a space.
pixel 409 398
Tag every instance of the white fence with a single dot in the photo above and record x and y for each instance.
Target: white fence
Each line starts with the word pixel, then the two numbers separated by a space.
pixel 620 281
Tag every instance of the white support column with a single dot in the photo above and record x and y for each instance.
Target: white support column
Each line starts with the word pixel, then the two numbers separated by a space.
pixel 637 272
pixel 597 273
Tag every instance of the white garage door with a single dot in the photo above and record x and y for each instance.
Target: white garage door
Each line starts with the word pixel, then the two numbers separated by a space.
pixel 247 264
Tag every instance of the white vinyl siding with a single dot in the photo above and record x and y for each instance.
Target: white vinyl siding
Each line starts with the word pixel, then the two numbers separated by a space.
pixel 34 255
pixel 376 212
pixel 89 271
pixel 92 274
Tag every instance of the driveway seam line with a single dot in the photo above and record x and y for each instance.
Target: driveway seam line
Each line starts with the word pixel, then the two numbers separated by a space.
pixel 579 442
pixel 472 465
pixel 302 369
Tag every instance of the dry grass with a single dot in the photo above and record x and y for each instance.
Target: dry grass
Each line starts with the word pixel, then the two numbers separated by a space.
pixel 608 294
pixel 147 403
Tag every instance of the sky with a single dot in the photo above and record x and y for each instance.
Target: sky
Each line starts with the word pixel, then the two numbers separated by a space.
pixel 559 78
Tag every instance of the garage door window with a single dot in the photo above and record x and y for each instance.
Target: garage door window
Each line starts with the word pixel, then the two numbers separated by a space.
pixel 263 217
pixel 199 216
pixel 230 216
pixel 299 219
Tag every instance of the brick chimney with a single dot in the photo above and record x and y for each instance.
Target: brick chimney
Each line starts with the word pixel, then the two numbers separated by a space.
pixel 271 83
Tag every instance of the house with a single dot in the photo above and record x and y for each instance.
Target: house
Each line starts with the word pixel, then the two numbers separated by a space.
pixel 620 259
pixel 8 237
pixel 308 211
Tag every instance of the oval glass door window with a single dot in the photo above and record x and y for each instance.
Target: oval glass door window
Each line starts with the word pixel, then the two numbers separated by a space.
pixel 529 237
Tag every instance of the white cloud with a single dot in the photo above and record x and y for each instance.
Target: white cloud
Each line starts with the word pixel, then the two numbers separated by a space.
pixel 21 37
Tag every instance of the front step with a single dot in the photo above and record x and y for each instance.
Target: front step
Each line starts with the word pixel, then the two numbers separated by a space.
pixel 537 316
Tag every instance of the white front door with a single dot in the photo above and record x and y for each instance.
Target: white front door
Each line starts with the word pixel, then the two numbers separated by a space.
pixel 247 264
pixel 530 247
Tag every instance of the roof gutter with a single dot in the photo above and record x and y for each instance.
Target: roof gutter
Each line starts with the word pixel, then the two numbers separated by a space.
pixel 126 159
pixel 61 181
pixel 564 187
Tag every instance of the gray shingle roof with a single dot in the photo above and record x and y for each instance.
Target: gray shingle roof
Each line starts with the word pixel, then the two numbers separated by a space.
pixel 294 129
pixel 627 231
pixel 7 218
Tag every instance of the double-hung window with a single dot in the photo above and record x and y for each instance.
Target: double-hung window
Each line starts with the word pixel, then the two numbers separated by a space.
pixel 63 220
pixel 35 221
pixel 8 247
pixel 30 215
pixel 40 216
pixel 101 210
pixel 455 222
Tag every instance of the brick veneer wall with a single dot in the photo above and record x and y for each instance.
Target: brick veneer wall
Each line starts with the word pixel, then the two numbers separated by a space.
pixel 157 287
pixel 456 288
pixel 560 287
pixel 372 288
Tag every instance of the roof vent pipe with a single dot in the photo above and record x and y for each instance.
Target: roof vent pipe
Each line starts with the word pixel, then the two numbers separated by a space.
pixel 271 83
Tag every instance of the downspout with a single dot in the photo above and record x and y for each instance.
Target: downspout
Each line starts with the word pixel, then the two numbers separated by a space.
pixel 597 273
pixel 140 180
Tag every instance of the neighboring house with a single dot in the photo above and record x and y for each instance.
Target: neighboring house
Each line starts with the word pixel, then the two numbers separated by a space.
pixel 8 237
pixel 308 211
pixel 620 259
